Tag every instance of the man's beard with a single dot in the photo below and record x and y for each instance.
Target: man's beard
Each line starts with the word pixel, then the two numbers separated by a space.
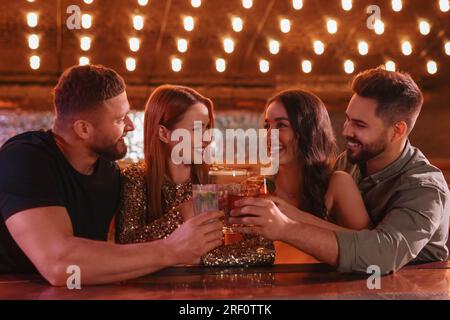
pixel 112 152
pixel 367 151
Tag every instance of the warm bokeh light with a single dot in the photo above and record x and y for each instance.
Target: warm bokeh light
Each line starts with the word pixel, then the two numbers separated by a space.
pixel 85 43
pixel 264 66
pixel 134 43
pixel 432 67
pixel 32 19
pixel 406 48
pixel 142 2
pixel 424 27
pixel 349 66
pixel 86 21
pixel 130 64
pixel 247 4
pixel 84 61
pixel 363 48
pixel 306 66
pixel 397 5
pixel 88 1
pixel 196 3
pixel 297 4
pixel 182 45
pixel 379 27
pixel 285 25
pixel 188 23
pixel 221 65
pixel 347 5
pixel 138 22
pixel 228 45
pixel 237 24
pixel 33 41
pixel 274 46
pixel 447 48
pixel 332 26
pixel 319 47
pixel 35 62
pixel 177 65
pixel 444 5
pixel 390 65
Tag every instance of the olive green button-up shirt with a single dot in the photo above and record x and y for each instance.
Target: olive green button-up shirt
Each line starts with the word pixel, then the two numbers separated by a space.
pixel 409 203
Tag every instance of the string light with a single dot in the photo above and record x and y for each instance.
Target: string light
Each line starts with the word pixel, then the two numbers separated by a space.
pixel 349 66
pixel 363 48
pixel 390 66
pixel 297 4
pixel 424 27
pixel 85 43
pixel 306 66
pixel 274 46
pixel 135 44
pixel 221 65
pixel 177 65
pixel 319 47
pixel 35 62
pixel 86 21
pixel 285 25
pixel 264 66
pixel 406 48
pixel 138 22
pixel 379 27
pixel 182 45
pixel 431 67
pixel 188 23
pixel 237 24
pixel 130 64
pixel 444 5
pixel 447 48
pixel 32 19
pixel 397 5
pixel 83 61
pixel 196 3
pixel 247 4
pixel 33 41
pixel 228 45
pixel 143 2
pixel 88 1
pixel 332 26
pixel 347 5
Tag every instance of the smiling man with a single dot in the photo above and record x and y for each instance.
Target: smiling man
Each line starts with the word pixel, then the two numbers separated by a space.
pixel 406 197
pixel 59 190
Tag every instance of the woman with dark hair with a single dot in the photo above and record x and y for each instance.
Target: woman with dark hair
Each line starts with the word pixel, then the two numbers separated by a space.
pixel 156 195
pixel 306 156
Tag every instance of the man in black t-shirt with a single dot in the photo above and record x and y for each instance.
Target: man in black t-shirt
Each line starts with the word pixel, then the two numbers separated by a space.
pixel 59 190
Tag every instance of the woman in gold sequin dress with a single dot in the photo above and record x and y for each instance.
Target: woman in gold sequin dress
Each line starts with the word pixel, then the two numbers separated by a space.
pixel 156 194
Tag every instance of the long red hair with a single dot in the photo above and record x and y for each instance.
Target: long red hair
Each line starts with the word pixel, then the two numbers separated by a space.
pixel 166 106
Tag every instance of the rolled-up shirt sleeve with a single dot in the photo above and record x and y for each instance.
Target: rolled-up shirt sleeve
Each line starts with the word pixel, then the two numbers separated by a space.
pixel 413 218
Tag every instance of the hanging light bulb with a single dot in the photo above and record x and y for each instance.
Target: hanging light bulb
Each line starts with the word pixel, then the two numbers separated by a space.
pixel 406 48
pixel 274 46
pixel 390 66
pixel 363 48
pixel 264 66
pixel 306 66
pixel 319 47
pixel 297 4
pixel 237 24
pixel 349 66
pixel 332 26
pixel 182 45
pixel 285 25
pixel 221 65
pixel 228 45
pixel 347 5
pixel 188 23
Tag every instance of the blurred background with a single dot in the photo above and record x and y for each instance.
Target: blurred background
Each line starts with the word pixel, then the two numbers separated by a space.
pixel 237 52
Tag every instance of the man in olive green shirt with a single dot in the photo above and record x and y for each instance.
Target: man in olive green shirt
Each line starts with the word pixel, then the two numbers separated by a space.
pixel 407 198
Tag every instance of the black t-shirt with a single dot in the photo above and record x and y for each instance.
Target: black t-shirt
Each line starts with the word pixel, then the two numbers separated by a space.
pixel 34 173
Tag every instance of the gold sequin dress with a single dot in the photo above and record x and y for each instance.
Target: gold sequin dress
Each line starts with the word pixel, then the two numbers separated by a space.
pixel 132 225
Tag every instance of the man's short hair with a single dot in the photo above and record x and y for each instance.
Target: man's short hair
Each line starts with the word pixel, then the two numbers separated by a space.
pixel 81 89
pixel 398 96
